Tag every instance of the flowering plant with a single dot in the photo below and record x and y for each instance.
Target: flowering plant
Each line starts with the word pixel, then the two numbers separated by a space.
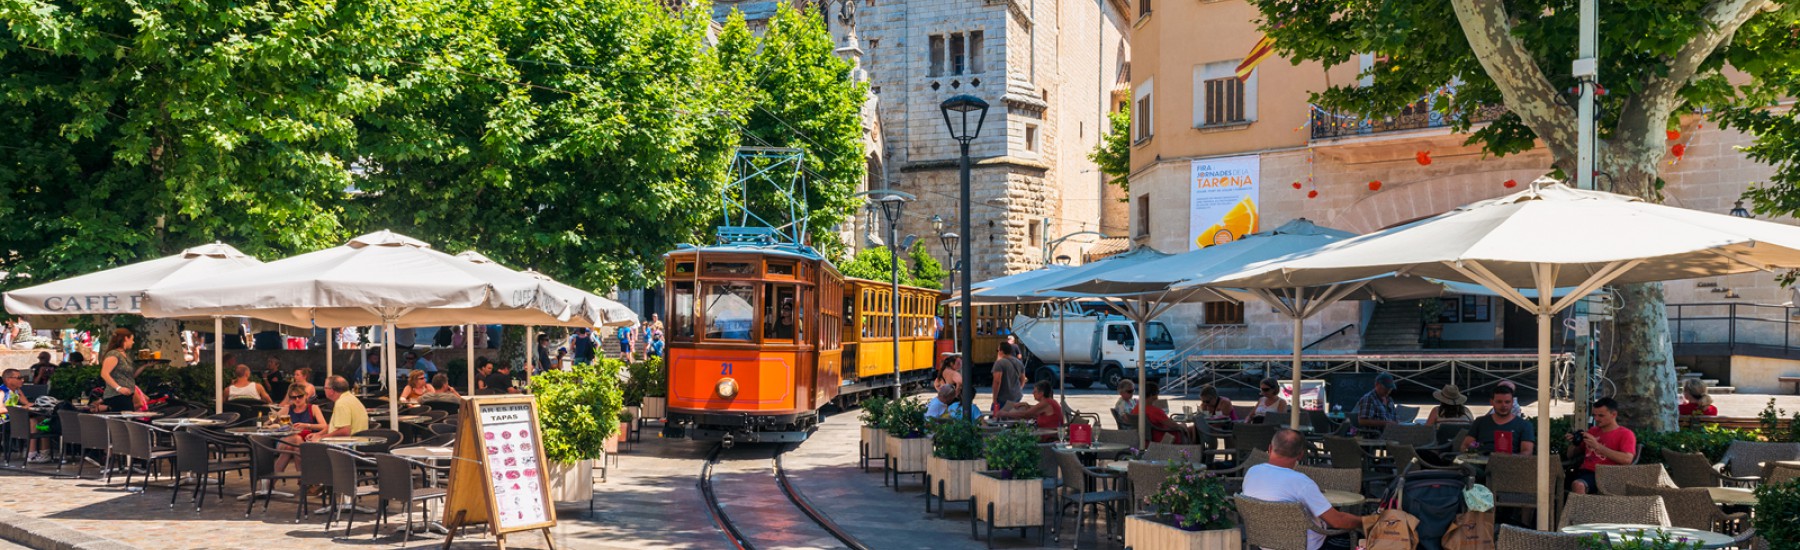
pixel 1642 540
pixel 1194 497
pixel 1134 453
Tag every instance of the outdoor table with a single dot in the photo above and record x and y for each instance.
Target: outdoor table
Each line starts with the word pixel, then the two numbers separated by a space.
pixel 351 441
pixel 1123 466
pixel 1618 532
pixel 1340 499
pixel 141 415
pixel 1732 496
pixel 425 453
pixel 181 422
pixel 1091 448
pixel 271 431
pixel 1472 459
pixel 415 418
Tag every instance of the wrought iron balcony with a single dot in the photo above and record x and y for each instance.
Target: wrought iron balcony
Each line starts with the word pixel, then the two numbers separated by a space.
pixel 1332 124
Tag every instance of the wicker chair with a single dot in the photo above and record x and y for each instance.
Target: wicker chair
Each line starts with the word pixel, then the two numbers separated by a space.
pixel 1165 451
pixel 1406 413
pixel 1692 508
pixel 1128 438
pixel 1247 438
pixel 1278 525
pixel 1076 480
pixel 1613 479
pixel 1345 452
pixel 1520 538
pixel 1613 509
pixel 1410 434
pixel 1145 478
pixel 1744 459
pixel 1691 469
pixel 1782 473
pixel 1513 479
pixel 1336 479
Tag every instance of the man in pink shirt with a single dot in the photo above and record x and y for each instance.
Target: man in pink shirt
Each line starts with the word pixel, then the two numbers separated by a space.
pixel 1605 443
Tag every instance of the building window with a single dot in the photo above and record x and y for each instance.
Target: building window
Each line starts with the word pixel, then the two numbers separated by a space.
pixel 1143 112
pixel 1224 101
pixel 1032 233
pixel 937 55
pixel 1143 215
pixel 1031 137
pixel 959 54
pixel 1224 313
pixel 1220 98
pixel 1143 8
pixel 874 43
pixel 976 42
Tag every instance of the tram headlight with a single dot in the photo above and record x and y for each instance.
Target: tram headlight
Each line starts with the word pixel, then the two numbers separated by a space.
pixel 727 388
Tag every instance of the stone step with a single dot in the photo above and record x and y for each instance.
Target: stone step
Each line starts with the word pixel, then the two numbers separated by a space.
pixel 1721 390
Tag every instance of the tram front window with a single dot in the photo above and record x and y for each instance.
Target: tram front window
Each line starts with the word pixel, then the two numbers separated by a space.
pixel 730 310
pixel 681 313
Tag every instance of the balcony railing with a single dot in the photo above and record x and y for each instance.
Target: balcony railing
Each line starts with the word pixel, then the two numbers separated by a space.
pixel 1735 329
pixel 1333 124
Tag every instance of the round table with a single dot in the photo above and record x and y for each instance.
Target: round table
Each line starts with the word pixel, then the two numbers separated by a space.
pixel 351 440
pixel 426 453
pixel 131 414
pixel 1472 459
pixel 1732 496
pixel 1617 532
pixel 270 431
pixel 415 418
pixel 1340 499
pixel 1092 448
pixel 1123 466
pixel 179 422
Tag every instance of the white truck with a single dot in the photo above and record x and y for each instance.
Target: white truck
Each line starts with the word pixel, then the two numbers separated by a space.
pixel 1096 348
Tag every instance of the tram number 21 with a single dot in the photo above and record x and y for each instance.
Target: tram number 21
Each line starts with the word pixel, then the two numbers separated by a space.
pixel 725 369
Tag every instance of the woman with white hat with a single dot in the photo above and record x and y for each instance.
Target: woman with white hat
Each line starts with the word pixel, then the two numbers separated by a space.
pixel 1450 406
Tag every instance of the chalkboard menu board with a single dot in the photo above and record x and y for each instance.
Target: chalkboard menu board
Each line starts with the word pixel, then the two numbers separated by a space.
pixel 498 475
pixel 1344 389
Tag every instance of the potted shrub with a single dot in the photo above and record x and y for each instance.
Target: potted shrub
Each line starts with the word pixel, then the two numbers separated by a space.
pixel 1431 311
pixel 625 424
pixel 1009 494
pixel 655 387
pixel 1192 511
pixel 578 409
pixel 904 422
pixel 955 457
pixel 874 439
pixel 1777 509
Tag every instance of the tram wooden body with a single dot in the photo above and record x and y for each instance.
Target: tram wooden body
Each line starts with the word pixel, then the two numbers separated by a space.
pixel 762 337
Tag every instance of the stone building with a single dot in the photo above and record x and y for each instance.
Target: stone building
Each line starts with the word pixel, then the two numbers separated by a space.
pixel 1360 175
pixel 1048 68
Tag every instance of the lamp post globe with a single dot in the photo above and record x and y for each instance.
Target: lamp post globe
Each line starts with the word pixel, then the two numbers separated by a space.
pixel 963 116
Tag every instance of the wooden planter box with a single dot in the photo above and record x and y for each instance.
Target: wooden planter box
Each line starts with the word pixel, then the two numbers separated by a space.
pixel 874 446
pixel 906 456
pixel 571 482
pixel 1006 503
pixel 655 407
pixel 948 480
pixel 624 432
pixel 1147 532
pixel 611 445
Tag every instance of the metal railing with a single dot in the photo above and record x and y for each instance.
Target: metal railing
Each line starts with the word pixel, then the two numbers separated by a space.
pixel 1726 328
pixel 1424 370
pixel 1181 374
pixel 1335 124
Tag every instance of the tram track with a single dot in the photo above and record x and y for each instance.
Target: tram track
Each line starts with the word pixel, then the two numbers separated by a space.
pixel 798 521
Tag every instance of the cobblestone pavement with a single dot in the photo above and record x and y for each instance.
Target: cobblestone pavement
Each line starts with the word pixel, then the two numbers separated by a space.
pixel 649 499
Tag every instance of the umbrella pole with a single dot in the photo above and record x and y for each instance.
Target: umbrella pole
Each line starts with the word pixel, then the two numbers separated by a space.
pixel 389 361
pixel 469 340
pixel 330 340
pixel 219 364
pixel 1543 423
pixel 1143 406
pixel 1294 407
pixel 1062 352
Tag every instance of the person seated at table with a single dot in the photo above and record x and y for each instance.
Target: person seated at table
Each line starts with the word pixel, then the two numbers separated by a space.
pixel 1377 409
pixel 242 387
pixel 12 395
pixel 303 377
pixel 272 372
pixel 1160 423
pixel 1269 401
pixel 1450 406
pixel 1503 418
pixel 440 390
pixel 305 418
pixel 1277 481
pixel 500 381
pixel 483 368
pixel 1604 443
pixel 347 413
pixel 43 369
pixel 415 387
pixel 372 368
pixel 946 405
pixel 1046 412
pixel 1213 405
pixel 416 362
pixel 1694 399
pixel 1126 403
pixel 949 374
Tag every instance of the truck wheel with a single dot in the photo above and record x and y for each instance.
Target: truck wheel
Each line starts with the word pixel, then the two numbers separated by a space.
pixel 1046 374
pixel 1112 376
pixel 1081 384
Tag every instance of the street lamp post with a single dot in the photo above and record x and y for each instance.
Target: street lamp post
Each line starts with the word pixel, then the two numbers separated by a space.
pixel 893 205
pixel 1050 245
pixel 958 112
pixel 948 240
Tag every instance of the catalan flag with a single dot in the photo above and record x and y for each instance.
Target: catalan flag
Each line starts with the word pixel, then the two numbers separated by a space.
pixel 1256 56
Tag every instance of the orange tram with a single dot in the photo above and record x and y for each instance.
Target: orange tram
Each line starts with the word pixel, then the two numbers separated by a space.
pixel 763 336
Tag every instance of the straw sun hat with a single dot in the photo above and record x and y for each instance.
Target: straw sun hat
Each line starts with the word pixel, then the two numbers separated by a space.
pixel 1450 395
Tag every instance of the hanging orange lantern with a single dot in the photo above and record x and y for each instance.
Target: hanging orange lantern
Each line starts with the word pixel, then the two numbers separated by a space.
pixel 1313 194
pixel 1679 150
pixel 1375 185
pixel 1424 158
pixel 1296 185
pixel 1674 135
pixel 1511 184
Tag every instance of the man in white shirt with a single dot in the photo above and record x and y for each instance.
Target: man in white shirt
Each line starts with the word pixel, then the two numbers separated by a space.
pixel 946 405
pixel 1277 481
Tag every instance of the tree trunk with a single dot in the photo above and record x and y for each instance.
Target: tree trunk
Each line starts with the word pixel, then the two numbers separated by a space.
pixel 1642 371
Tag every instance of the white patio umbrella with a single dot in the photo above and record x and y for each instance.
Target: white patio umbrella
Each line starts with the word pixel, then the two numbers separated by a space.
pixel 587 305
pixel 380 278
pixel 1544 237
pixel 120 290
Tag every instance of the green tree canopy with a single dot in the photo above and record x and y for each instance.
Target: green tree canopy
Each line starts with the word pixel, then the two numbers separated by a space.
pixel 1113 153
pixel 926 271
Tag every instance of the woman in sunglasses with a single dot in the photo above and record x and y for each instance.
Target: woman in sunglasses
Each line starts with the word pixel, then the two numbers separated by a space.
pixel 1269 401
pixel 1215 406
